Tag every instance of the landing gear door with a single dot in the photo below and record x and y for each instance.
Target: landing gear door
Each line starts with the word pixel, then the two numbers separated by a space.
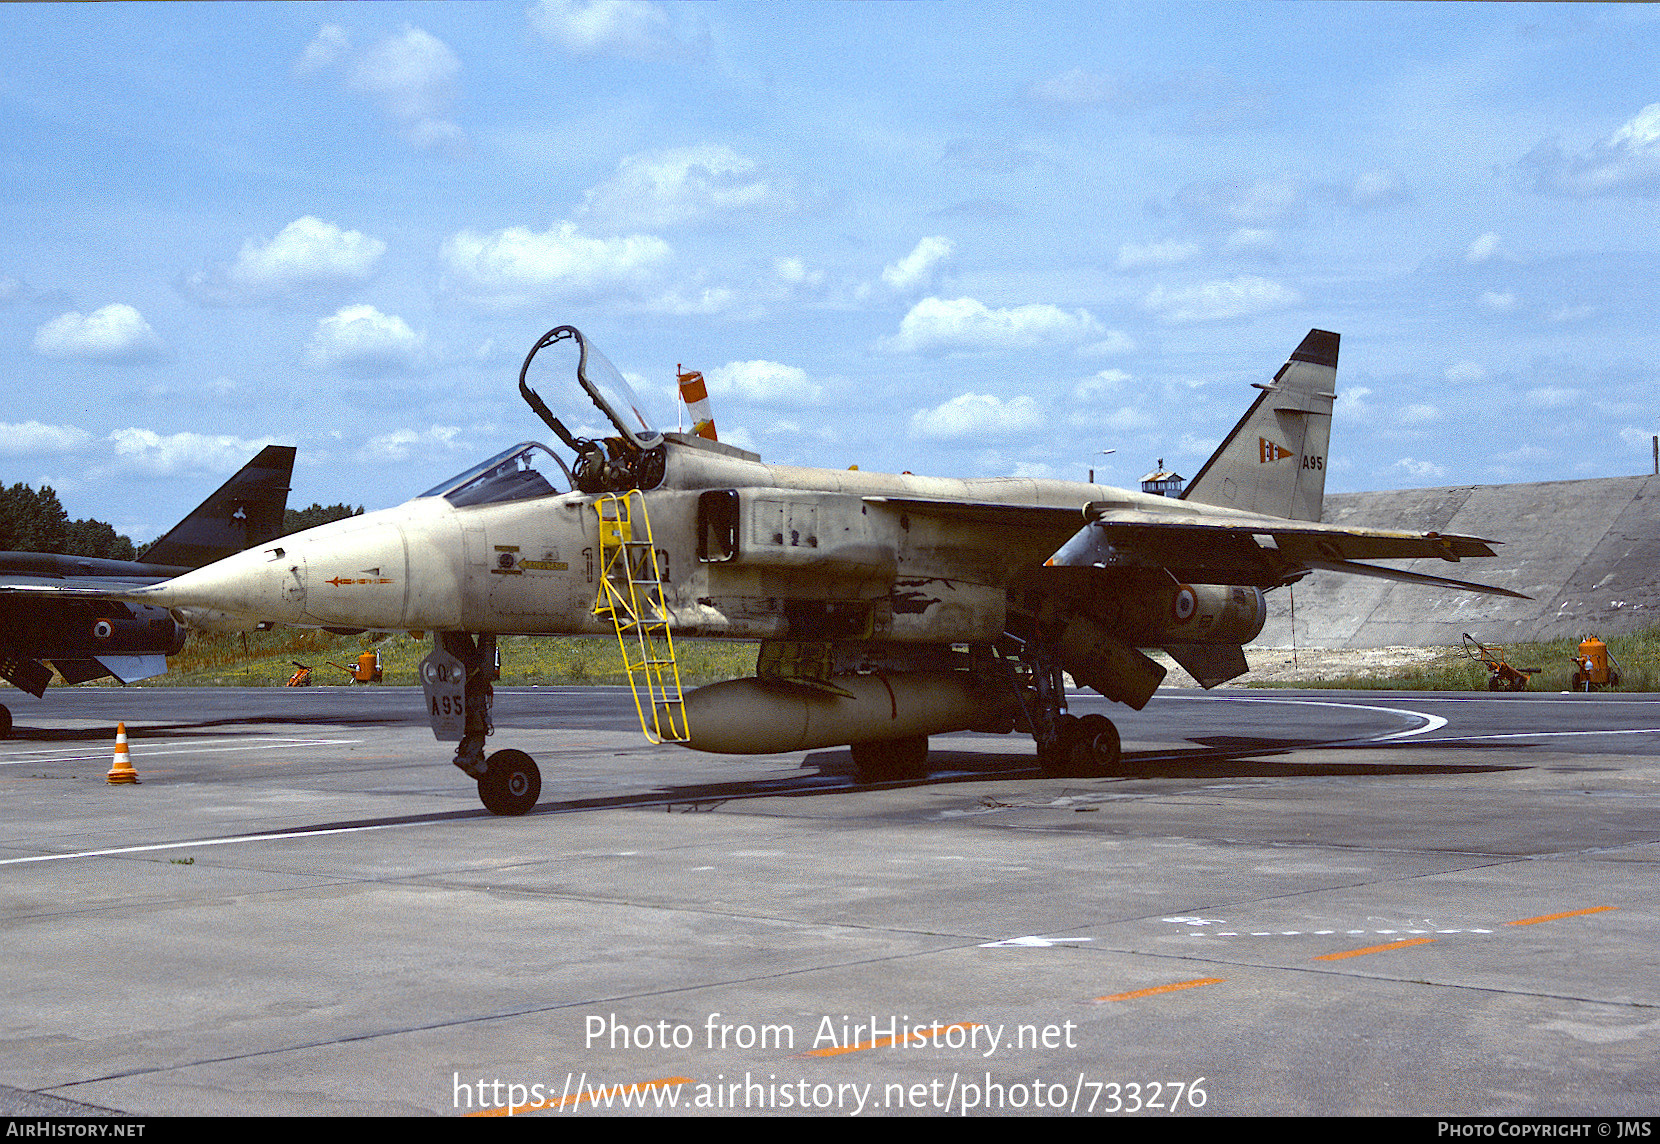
pixel 444 682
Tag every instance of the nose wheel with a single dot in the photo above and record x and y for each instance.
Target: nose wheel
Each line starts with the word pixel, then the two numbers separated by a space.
pixel 511 783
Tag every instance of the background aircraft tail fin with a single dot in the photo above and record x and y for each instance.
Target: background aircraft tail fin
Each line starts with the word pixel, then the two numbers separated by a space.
pixel 247 510
pixel 1274 461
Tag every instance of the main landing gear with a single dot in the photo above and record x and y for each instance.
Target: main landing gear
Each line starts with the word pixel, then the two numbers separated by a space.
pixel 455 678
pixel 1068 746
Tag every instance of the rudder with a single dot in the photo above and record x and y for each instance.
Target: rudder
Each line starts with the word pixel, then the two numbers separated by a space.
pixel 1274 461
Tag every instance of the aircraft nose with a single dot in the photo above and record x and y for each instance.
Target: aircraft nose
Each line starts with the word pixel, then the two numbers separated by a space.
pixel 260 584
pixel 350 574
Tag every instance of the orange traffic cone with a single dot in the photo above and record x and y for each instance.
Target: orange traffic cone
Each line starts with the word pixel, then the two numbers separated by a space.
pixel 121 770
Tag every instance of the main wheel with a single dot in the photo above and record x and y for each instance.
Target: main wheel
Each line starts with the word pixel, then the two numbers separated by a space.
pixel 1087 747
pixel 511 784
pixel 1097 749
pixel 888 760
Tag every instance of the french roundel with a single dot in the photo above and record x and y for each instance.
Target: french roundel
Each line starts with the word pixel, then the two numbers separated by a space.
pixel 1183 604
pixel 102 630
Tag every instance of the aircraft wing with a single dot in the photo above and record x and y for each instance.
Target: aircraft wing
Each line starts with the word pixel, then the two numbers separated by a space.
pixel 1265 551
pixel 1216 547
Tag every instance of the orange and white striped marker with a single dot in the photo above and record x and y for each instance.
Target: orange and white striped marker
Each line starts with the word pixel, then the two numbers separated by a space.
pixel 121 769
pixel 696 396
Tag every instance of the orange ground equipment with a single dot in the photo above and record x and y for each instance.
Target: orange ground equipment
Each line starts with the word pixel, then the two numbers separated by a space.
pixel 367 669
pixel 1595 666
pixel 1500 675
pixel 301 676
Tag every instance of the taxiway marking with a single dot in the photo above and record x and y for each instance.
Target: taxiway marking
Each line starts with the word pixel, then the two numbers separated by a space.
pixel 1157 989
pixel 1373 949
pixel 1555 917
pixel 148 751
pixel 1431 722
pixel 206 842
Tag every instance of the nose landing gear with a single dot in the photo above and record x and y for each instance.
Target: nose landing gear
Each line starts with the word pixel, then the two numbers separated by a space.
pixel 511 783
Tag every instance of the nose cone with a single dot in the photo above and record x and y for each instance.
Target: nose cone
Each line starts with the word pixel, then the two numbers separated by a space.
pixel 352 573
pixel 257 585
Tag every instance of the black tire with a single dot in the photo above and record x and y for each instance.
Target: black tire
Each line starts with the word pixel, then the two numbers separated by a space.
pixel 5 722
pixel 1088 747
pixel 890 760
pixel 511 783
pixel 1494 683
pixel 1097 749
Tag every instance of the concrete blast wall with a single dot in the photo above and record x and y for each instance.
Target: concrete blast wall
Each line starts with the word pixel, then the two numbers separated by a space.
pixel 1588 552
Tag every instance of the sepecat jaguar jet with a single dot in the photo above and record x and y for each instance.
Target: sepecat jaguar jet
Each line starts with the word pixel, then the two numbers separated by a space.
pixel 887 608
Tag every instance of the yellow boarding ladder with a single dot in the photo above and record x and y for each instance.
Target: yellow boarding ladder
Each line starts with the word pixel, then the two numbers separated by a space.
pixel 631 593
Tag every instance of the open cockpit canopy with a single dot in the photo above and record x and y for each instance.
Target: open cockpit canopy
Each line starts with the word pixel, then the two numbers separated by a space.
pixel 633 457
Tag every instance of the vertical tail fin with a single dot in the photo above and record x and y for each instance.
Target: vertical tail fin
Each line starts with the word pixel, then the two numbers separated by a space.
pixel 1274 461
pixel 247 510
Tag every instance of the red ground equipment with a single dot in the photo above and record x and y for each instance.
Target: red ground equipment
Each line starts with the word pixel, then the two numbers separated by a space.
pixel 1500 675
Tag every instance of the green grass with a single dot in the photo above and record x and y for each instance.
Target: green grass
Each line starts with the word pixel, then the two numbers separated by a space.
pixel 266 659
pixel 1638 655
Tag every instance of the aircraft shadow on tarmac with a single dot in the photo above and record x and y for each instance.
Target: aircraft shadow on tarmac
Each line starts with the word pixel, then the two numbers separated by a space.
pixel 203 728
pixel 832 772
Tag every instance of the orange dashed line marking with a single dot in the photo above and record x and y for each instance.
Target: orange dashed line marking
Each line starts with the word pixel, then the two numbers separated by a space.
pixel 887 1042
pixel 1133 994
pixel 1373 949
pixel 577 1098
pixel 1554 917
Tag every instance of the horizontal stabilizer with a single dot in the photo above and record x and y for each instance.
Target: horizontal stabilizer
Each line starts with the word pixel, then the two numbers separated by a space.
pixel 79 670
pixel 132 668
pixel 1354 569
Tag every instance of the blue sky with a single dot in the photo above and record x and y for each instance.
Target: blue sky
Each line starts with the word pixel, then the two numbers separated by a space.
pixel 955 238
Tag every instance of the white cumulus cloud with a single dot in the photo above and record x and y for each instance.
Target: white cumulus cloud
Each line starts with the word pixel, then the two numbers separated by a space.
pixel 306 255
pixel 117 333
pixel 975 416
pixel 764 383
pixel 519 265
pixel 1420 470
pixel 414 76
pixel 160 454
pixel 1627 162
pixel 1239 297
pixel 1483 249
pixel 631 28
pixel 969 324
pixel 681 185
pixel 32 437
pixel 400 443
pixel 329 44
pixel 364 341
pixel 915 269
